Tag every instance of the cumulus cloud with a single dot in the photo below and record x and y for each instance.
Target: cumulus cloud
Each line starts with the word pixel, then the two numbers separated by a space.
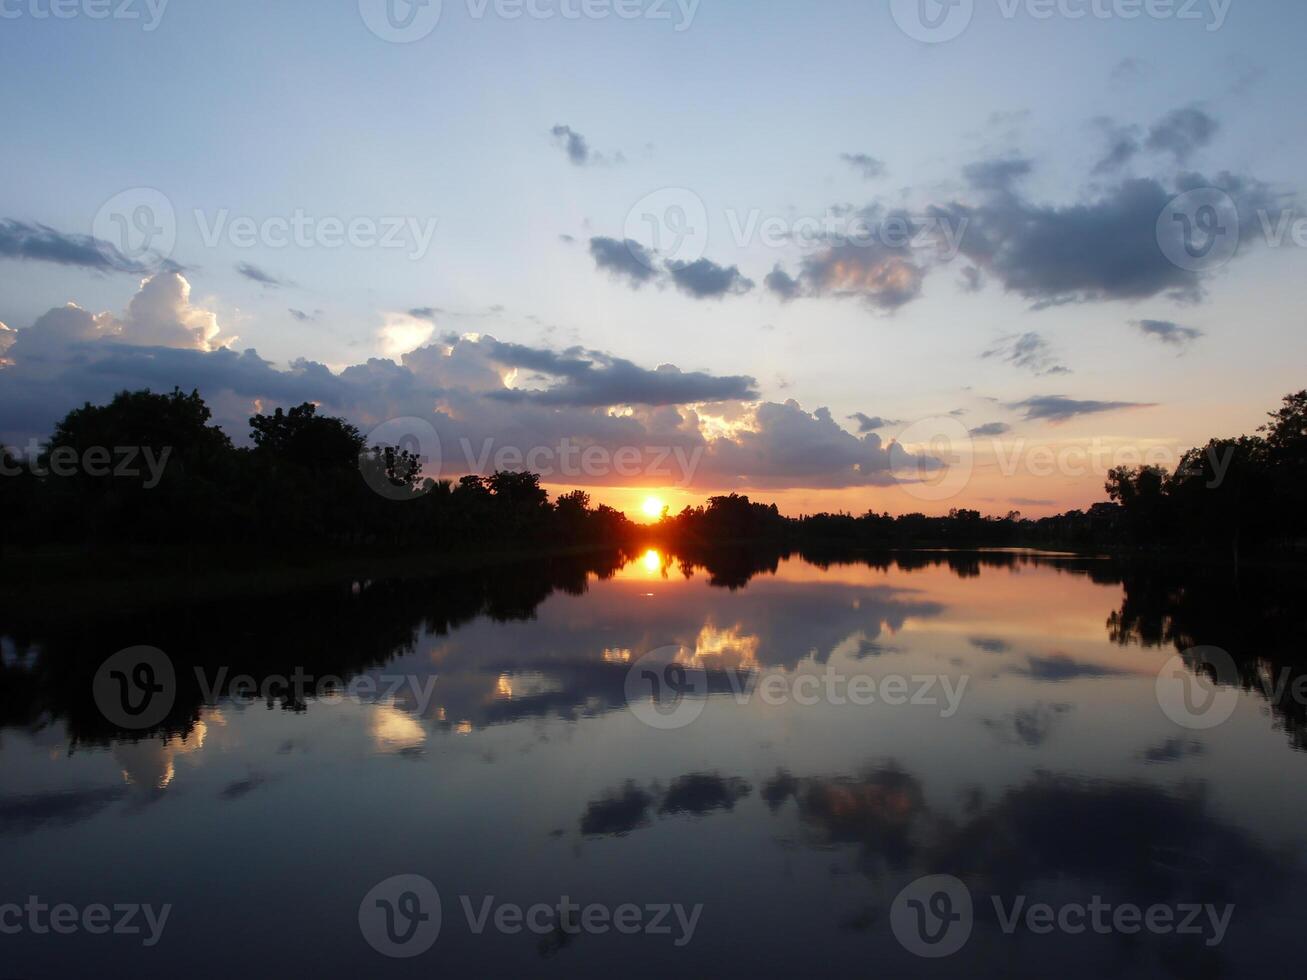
pixel 705 279
pixel 1059 408
pixel 475 390
pixel 1028 351
pixel 39 243
pixel 1168 332
pixel 1181 133
pixel 868 166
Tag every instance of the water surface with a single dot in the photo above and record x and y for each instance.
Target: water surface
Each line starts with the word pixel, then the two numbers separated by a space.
pixel 487 736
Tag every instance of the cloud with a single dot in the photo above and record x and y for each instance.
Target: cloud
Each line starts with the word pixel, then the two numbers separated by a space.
pixel 1059 667
pixel 1182 132
pixel 870 423
pixel 1101 249
pixel 40 243
pixel 990 644
pixel 302 316
pixel 997 175
pixel 573 144
pixel 1030 727
pixel 475 390
pixel 1028 351
pixel 1122 146
pixel 868 166
pixel 883 277
pixel 1057 408
pixel 1173 750
pixel 783 284
pixel 577 147
pixel 255 274
pixel 707 280
pixel 631 262
pixel 594 379
pixel 1168 332
pixel 628 260
pixel 425 312
pixel 991 429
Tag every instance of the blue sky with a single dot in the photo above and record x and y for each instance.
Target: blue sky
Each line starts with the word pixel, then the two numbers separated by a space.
pixel 262 111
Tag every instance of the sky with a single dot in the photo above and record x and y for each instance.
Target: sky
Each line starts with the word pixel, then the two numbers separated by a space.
pixel 825 254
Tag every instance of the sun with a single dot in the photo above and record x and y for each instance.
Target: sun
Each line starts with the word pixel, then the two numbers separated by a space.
pixel 653 507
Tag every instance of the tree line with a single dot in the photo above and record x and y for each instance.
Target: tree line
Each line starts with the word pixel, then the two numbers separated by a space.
pixel 308 481
pixel 298 486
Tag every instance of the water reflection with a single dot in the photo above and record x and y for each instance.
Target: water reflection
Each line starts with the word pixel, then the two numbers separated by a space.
pixel 507 759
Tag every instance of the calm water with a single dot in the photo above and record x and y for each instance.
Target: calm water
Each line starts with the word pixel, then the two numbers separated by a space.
pixel 806 741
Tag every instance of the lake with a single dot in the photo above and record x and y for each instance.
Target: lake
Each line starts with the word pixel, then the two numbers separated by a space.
pixel 734 763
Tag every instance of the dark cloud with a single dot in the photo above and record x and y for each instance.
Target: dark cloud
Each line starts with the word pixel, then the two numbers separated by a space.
pixel 996 175
pixel 303 317
pixel 1028 351
pixel 617 814
pixel 1105 248
pixel 1168 332
pixel 40 243
pixel 702 793
pixel 991 429
pixel 707 280
pixel 868 166
pixel 1172 750
pixel 990 644
pixel 628 260
pixel 255 274
pixel 1059 667
pixel 870 423
pixel 783 284
pixel 1030 727
pixel 594 379
pixel 1058 408
pixel 577 148
pixel 573 143
pixel 1122 146
pixel 425 313
pixel 1181 133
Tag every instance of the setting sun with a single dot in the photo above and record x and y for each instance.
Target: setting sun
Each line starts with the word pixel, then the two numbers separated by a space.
pixel 653 507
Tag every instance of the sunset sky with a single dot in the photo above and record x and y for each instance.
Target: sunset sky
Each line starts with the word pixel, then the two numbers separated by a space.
pixel 725 245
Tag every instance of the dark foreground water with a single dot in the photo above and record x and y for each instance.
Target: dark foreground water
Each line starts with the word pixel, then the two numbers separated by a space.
pixel 923 764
